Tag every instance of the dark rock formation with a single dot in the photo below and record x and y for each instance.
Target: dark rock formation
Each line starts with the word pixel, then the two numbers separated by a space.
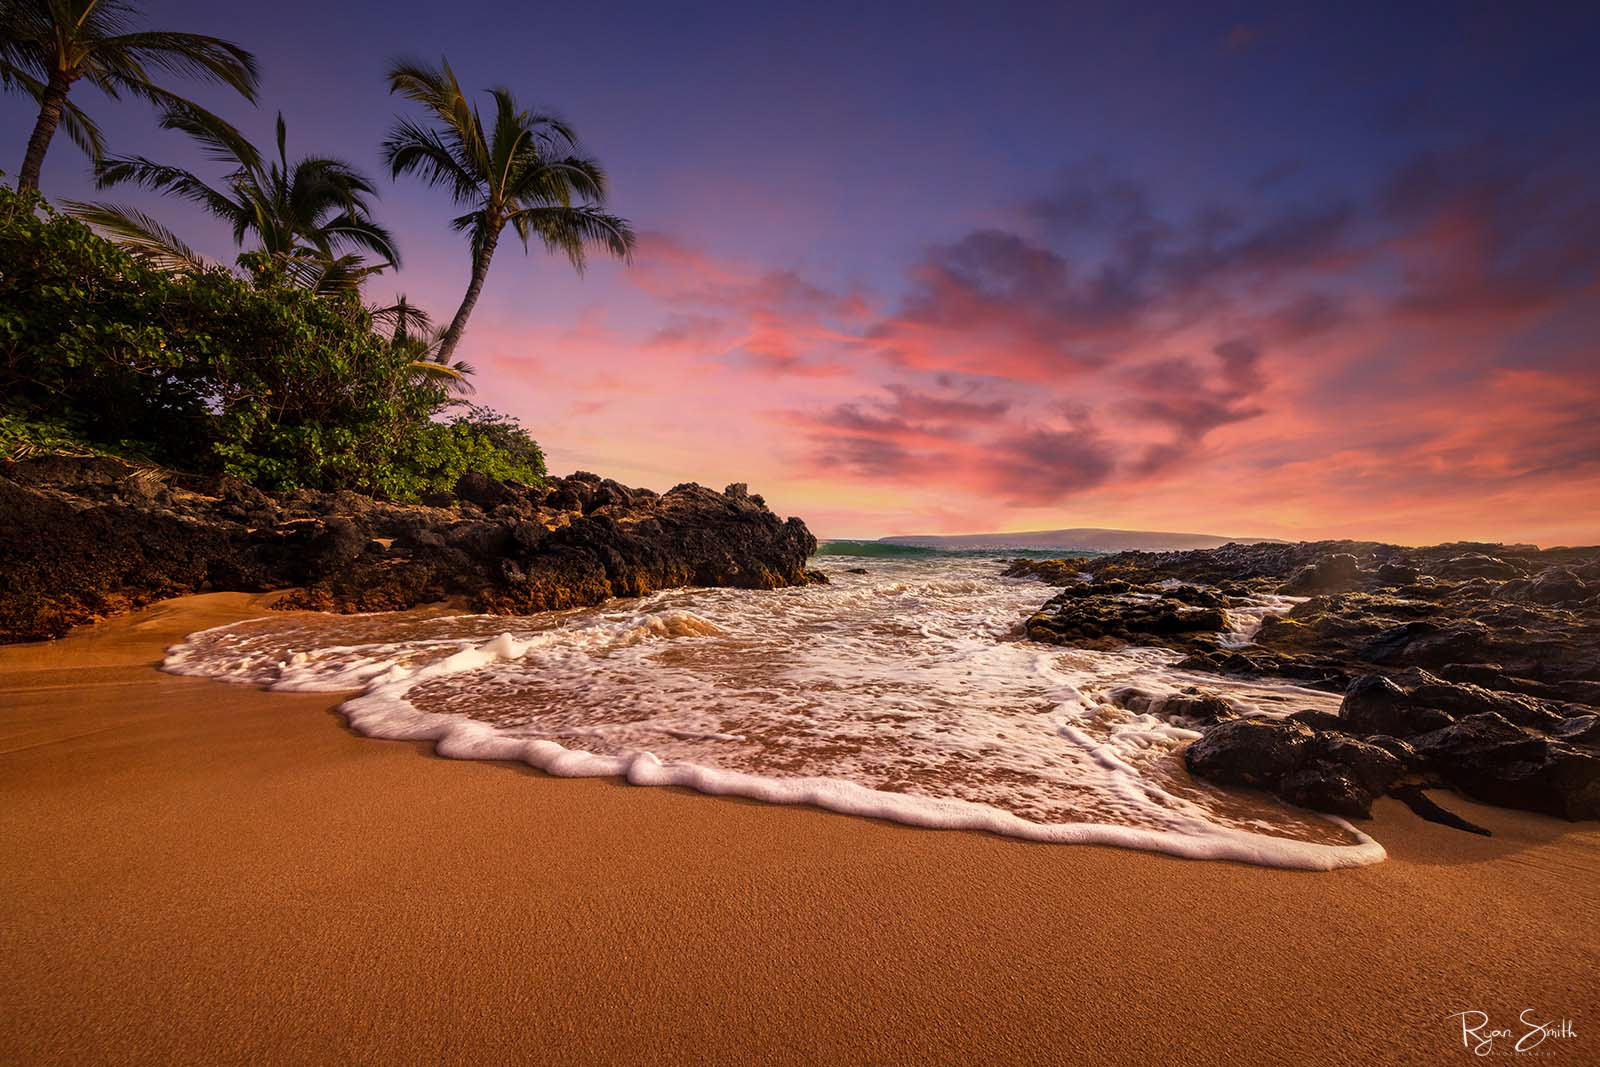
pixel 1534 631
pixel 1491 759
pixel 1501 748
pixel 1341 775
pixel 1336 573
pixel 1413 797
pixel 1049 571
pixel 1192 704
pixel 1255 752
pixel 1322 771
pixel 1375 705
pixel 81 538
pixel 1391 574
pixel 1321 721
pixel 1111 613
pixel 1472 666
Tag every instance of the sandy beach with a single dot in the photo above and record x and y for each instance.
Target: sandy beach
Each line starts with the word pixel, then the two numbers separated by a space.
pixel 201 873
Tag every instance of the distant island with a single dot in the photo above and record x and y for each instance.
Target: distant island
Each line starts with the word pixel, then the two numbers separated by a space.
pixel 1086 539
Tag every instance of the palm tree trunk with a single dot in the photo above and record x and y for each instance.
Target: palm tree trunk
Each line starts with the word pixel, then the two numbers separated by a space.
pixel 50 107
pixel 480 271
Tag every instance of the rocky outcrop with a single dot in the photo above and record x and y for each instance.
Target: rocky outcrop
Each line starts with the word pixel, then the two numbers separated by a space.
pixel 1050 571
pixel 1490 758
pixel 1322 771
pixel 1499 748
pixel 1469 666
pixel 1505 617
pixel 1338 572
pixel 1111 613
pixel 87 537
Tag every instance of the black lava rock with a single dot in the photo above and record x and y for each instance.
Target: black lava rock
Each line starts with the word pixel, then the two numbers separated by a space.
pixel 81 538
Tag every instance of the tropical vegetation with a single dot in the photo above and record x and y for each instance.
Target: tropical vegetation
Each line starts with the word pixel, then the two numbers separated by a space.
pixel 207 371
pixel 49 46
pixel 311 220
pixel 523 170
pixel 118 336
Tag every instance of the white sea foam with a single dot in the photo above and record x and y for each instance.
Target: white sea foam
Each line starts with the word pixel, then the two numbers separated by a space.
pixel 906 693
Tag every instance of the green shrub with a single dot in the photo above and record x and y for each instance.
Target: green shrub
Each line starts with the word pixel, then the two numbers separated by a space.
pixel 210 372
pixel 21 436
pixel 481 440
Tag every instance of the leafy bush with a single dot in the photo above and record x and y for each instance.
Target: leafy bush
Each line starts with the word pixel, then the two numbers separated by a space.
pixel 482 441
pixel 21 437
pixel 208 371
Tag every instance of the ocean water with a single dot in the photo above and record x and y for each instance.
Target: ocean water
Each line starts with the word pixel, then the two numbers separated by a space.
pixel 906 692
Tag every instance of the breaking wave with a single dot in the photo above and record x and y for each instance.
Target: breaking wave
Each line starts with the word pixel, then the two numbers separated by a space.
pixel 906 692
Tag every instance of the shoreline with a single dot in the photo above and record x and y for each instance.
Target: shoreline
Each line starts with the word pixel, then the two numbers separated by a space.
pixel 214 873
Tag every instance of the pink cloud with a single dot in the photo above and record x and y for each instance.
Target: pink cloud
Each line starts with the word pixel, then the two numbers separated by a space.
pixel 1416 365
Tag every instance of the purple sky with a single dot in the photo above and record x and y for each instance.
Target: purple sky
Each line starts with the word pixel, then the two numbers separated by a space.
pixel 1293 270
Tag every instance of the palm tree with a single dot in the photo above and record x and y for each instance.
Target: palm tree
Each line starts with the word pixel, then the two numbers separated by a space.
pixel 311 218
pixel 523 171
pixel 411 330
pixel 46 46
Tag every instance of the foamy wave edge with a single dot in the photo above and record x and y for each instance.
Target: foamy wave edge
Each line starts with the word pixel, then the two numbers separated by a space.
pixel 383 713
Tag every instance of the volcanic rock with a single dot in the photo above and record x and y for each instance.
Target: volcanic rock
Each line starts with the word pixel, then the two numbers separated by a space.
pixel 86 537
pixel 1337 573
pixel 1340 775
pixel 1191 703
pixel 1254 752
pixel 1321 771
pixel 1113 613
pixel 1421 640
pixel 1491 759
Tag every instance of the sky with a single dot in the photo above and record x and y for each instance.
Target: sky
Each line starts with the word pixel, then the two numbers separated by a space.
pixel 1280 270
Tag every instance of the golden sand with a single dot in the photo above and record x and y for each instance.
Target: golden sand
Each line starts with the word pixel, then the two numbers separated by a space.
pixel 199 873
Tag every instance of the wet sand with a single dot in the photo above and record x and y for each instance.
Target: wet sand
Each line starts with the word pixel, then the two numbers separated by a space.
pixel 200 873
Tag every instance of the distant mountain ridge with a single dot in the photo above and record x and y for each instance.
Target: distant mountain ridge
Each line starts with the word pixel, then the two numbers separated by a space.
pixel 1087 539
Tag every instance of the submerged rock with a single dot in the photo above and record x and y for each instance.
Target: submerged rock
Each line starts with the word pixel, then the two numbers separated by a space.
pixel 1113 613
pixel 81 538
pixel 1191 703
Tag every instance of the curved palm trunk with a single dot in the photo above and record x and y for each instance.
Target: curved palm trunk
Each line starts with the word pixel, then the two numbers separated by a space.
pixel 458 325
pixel 50 108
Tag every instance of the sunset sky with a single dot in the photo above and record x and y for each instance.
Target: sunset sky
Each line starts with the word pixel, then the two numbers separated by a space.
pixel 1281 270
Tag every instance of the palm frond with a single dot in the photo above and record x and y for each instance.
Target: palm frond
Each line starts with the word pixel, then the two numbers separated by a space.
pixel 414 149
pixel 215 135
pixel 404 318
pixel 572 231
pixel 327 276
pixel 138 233
pixel 190 55
pixel 162 178
pixel 362 232
pixel 427 368
pixel 82 131
pixel 437 89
